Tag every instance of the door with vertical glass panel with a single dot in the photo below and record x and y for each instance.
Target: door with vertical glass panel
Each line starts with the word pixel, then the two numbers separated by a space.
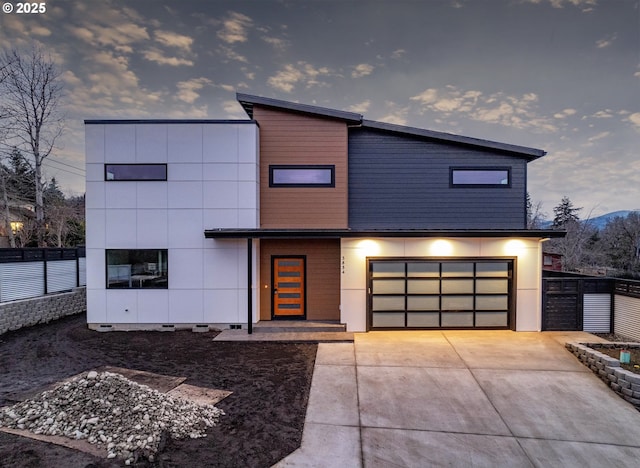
pixel 288 287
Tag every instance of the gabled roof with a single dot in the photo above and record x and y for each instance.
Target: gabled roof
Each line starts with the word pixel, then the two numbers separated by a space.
pixel 354 119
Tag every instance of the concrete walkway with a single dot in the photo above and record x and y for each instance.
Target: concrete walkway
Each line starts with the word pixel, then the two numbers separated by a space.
pixel 462 399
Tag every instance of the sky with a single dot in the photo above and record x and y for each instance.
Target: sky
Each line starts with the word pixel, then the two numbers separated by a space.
pixel 558 75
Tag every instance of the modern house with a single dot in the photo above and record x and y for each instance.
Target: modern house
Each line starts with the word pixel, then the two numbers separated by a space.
pixel 307 213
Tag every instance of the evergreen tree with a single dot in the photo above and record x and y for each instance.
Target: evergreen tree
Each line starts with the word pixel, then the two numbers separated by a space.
pixel 19 178
pixel 565 213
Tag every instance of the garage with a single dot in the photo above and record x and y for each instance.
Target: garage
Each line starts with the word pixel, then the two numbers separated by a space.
pixel 419 293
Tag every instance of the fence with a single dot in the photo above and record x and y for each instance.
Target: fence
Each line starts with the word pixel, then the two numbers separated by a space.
pixel 597 305
pixel 32 272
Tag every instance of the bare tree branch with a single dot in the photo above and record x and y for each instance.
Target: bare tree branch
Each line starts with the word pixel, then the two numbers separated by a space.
pixel 32 92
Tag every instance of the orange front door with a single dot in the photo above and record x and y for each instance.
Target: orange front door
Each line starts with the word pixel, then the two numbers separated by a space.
pixel 288 287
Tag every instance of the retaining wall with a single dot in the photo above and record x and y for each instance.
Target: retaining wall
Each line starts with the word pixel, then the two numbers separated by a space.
pixel 625 383
pixel 24 313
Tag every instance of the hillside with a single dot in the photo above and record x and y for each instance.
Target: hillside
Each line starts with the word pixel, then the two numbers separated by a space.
pixel 600 221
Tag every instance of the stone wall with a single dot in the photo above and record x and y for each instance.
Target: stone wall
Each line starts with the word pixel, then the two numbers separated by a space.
pixel 42 309
pixel 625 383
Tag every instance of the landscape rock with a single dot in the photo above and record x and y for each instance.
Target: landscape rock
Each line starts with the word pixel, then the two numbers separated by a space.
pixel 109 410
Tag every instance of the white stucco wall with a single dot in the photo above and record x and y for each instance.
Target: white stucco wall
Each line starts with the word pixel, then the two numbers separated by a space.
pixel 527 252
pixel 212 172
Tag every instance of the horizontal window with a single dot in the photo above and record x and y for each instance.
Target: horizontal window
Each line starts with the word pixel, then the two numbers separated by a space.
pixel 302 176
pixel 480 177
pixel 137 269
pixel 134 172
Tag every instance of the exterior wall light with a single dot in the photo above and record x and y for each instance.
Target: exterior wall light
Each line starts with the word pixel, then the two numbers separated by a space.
pixel 441 248
pixel 515 247
pixel 368 248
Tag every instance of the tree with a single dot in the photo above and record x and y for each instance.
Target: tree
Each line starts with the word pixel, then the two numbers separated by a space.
pixel 535 215
pixel 16 191
pixel 621 243
pixel 62 217
pixel 31 91
pixel 565 213
pixel 579 247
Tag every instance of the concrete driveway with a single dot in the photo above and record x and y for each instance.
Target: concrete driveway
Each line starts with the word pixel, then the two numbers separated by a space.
pixel 462 398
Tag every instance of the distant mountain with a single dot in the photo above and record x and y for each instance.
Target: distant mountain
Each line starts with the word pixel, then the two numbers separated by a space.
pixel 599 221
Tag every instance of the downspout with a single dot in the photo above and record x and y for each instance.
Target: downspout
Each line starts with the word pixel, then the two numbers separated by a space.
pixel 249 285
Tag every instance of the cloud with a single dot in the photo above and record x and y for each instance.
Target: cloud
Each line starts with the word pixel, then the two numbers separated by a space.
pixel 120 36
pixel 635 120
pixel 70 78
pixel 40 31
pixel 231 54
pixel 603 114
pixel 188 90
pixel 397 117
pixel 598 136
pixel 362 69
pixel 586 4
pixel 154 55
pixel 637 74
pixel 564 113
pixel 171 39
pixel 280 44
pixel 497 108
pixel 291 75
pixel 606 42
pixel 82 34
pixel 399 53
pixel 233 109
pixel 104 25
pixel 235 28
pixel 109 88
pixel 360 107
pixel 286 79
pixel 395 114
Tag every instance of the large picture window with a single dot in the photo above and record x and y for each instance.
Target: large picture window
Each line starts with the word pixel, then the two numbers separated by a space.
pixel 133 172
pixel 302 176
pixel 480 177
pixel 137 269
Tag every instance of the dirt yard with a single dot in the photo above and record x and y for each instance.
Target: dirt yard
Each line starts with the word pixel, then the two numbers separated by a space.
pixel 264 415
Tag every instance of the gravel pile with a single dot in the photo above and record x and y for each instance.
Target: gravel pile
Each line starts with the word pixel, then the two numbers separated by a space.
pixel 130 420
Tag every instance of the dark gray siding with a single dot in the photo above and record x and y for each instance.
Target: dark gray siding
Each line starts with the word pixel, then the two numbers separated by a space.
pixel 400 181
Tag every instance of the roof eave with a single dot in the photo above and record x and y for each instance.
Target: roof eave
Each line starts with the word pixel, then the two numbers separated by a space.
pixel 247 101
pixel 233 233
pixel 529 153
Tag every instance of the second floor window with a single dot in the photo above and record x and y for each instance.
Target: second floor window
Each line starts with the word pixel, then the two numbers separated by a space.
pixel 302 176
pixel 480 177
pixel 133 172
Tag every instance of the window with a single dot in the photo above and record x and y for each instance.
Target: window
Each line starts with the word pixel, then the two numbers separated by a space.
pixel 480 177
pixel 302 176
pixel 135 172
pixel 137 269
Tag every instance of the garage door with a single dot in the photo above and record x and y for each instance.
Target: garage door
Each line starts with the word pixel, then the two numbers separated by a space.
pixel 460 293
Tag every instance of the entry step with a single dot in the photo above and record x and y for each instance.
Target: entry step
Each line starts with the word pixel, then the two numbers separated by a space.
pixel 297 326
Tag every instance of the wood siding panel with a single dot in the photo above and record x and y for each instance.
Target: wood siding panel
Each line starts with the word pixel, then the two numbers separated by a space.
pixel 323 275
pixel 403 182
pixel 289 138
